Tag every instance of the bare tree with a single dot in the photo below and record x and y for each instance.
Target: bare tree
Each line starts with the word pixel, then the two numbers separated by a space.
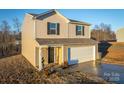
pixel 5 29
pixel 17 24
pixel 8 44
pixel 5 26
pixel 103 32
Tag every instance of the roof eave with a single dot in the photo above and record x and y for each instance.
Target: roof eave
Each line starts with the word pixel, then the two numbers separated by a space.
pixel 81 23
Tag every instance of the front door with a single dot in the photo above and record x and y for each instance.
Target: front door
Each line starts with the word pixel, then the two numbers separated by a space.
pixel 51 55
pixel 58 55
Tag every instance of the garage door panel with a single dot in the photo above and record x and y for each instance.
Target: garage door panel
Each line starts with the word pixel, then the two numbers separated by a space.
pixel 81 54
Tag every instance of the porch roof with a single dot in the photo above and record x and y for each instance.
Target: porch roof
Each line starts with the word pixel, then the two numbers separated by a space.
pixel 66 41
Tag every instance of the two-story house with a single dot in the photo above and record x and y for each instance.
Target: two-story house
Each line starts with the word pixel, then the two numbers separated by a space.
pixel 50 37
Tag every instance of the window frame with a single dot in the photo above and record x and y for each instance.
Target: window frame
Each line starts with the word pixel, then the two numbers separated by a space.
pixel 82 32
pixel 52 28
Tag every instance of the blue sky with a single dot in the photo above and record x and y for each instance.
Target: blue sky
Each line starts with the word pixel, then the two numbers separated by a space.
pixel 114 17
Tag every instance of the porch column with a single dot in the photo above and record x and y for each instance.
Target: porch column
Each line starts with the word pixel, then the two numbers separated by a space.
pixel 62 54
pixel 40 58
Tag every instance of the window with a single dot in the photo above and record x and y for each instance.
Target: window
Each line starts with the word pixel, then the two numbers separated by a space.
pixel 79 30
pixel 53 28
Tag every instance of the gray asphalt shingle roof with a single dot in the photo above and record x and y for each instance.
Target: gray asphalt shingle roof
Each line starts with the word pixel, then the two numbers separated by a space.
pixel 66 41
pixel 51 12
pixel 79 22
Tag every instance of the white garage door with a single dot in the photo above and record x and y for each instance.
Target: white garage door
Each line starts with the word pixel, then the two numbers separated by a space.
pixel 81 54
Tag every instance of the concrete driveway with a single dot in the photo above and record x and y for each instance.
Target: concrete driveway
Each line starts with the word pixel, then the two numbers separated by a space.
pixel 109 72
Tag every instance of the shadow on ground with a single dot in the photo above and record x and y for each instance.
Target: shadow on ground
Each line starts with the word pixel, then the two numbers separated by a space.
pixel 103 48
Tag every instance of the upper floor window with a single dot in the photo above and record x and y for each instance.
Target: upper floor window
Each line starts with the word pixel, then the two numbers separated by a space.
pixel 79 30
pixel 53 28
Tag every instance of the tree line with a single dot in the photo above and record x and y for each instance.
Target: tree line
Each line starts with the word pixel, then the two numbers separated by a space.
pixel 103 32
pixel 10 37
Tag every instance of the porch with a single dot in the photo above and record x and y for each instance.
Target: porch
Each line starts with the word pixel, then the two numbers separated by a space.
pixel 49 55
pixel 64 50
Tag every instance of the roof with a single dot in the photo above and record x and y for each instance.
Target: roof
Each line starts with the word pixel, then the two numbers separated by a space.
pixel 52 12
pixel 65 41
pixel 33 14
pixel 78 22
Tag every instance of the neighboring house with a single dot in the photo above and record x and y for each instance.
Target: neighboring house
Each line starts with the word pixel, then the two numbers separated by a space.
pixel 120 35
pixel 56 39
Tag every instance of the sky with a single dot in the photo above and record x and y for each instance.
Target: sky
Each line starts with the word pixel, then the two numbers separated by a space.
pixel 114 17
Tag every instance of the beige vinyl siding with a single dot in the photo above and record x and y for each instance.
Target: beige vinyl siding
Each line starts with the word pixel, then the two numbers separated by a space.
pixel 65 54
pixel 28 39
pixel 72 31
pixel 41 27
pixel 67 30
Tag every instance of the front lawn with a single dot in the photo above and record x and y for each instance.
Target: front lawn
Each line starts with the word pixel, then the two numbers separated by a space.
pixel 115 54
pixel 17 69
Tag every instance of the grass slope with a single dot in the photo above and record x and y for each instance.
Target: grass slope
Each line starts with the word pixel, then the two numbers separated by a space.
pixel 18 70
pixel 115 54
